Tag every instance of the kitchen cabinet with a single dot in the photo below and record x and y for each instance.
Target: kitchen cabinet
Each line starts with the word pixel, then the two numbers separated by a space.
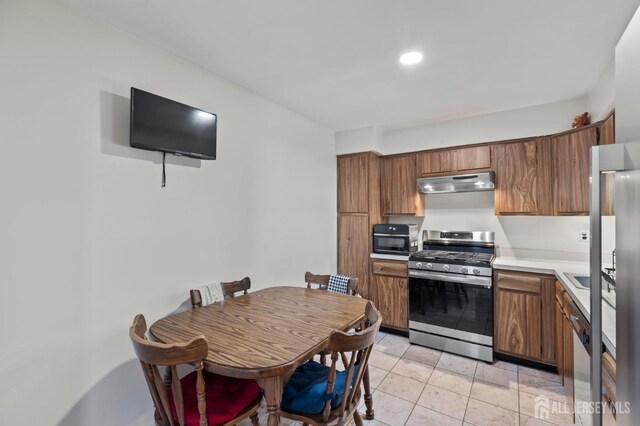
pixel 567 348
pixel 558 319
pixel 606 136
pixel 570 153
pixel 523 184
pixel 388 291
pixel 524 314
pixel 461 160
pixel 353 253
pixel 358 211
pixel 434 162
pixel 399 192
pixel 472 158
pixel 353 184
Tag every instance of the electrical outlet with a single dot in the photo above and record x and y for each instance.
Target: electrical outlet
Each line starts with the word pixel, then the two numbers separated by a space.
pixel 584 236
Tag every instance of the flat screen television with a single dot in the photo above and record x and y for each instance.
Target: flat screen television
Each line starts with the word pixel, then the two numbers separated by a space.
pixel 160 124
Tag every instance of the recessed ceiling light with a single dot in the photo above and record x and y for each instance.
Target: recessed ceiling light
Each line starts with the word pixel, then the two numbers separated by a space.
pixel 410 58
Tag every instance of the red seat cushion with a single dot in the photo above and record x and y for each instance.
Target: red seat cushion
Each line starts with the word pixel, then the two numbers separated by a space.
pixel 226 398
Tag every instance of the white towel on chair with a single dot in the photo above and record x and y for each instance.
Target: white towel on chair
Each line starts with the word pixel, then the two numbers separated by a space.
pixel 211 293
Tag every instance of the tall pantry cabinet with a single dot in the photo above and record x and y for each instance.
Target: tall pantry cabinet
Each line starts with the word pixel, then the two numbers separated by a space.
pixel 358 211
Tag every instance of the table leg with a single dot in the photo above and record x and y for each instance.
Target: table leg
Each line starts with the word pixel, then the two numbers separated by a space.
pixel 273 387
pixel 368 399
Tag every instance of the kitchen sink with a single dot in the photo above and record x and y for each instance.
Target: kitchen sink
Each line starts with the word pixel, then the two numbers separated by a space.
pixel 583 282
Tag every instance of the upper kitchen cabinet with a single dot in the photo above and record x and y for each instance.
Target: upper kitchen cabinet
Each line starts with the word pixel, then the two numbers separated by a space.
pixel 398 189
pixel 434 162
pixel 606 136
pixel 570 153
pixel 454 160
pixel 472 158
pixel 522 178
pixel 353 184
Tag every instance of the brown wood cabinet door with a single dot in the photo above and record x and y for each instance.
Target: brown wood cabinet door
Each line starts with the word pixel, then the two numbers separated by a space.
pixel 558 319
pixel 571 171
pixel 548 352
pixel 472 158
pixel 399 192
pixel 354 234
pixel 391 300
pixel 353 185
pixel 517 185
pixel 567 350
pixel 607 135
pixel 434 162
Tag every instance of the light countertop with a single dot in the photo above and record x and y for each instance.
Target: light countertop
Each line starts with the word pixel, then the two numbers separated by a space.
pixel 580 296
pixel 389 257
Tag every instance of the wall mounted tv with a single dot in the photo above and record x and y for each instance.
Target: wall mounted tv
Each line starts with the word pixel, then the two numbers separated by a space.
pixel 160 124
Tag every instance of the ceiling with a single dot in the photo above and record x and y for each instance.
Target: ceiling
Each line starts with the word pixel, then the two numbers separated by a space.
pixel 336 61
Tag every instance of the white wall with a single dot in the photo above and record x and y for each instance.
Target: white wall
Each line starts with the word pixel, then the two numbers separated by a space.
pixel 518 123
pixel 88 237
pixel 548 237
pixel 627 83
pixel 601 98
pixel 362 139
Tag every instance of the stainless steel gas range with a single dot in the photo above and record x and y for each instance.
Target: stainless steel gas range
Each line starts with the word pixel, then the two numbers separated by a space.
pixel 451 293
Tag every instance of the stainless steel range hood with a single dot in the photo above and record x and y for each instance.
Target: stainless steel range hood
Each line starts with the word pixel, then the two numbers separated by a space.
pixel 484 181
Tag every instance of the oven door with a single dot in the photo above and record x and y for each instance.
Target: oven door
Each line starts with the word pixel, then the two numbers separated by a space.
pixel 451 305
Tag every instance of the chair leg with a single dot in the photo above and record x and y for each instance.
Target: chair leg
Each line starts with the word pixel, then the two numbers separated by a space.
pixel 357 419
pixel 323 359
pixel 254 419
pixel 368 399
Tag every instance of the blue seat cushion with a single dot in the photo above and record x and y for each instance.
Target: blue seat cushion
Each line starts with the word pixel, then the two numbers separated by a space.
pixel 306 391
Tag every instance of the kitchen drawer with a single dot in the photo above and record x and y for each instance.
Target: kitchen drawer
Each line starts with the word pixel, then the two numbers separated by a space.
pixel 519 282
pixel 391 268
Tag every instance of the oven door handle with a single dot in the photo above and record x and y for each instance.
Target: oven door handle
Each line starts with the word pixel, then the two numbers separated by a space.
pixel 465 279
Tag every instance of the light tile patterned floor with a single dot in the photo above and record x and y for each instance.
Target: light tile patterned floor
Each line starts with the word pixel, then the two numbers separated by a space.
pixel 417 386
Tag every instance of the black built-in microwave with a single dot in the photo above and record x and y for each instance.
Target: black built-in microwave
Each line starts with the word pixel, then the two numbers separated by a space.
pixel 395 239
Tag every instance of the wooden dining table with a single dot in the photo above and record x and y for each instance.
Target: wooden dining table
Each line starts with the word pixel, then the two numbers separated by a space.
pixel 265 335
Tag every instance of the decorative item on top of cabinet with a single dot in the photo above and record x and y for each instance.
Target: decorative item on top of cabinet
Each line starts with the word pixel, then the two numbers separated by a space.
pixel 524 316
pixel 358 211
pixel 399 192
pixel 388 291
pixel 571 170
pixel 451 160
pixel 523 185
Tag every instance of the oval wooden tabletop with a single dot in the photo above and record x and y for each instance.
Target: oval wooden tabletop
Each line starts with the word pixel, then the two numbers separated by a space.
pixel 264 333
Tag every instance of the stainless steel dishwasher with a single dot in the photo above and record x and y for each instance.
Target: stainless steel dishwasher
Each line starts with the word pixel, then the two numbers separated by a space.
pixel 581 367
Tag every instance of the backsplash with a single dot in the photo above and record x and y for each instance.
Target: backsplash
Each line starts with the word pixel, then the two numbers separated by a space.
pixel 535 237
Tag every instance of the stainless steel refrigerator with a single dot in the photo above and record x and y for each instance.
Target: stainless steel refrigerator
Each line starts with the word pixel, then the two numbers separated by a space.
pixel 622 162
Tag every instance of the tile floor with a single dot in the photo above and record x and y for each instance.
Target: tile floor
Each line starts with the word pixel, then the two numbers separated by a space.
pixel 416 386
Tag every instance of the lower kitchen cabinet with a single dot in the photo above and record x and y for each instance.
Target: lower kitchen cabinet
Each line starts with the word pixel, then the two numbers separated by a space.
pixel 567 348
pixel 354 235
pixel 525 316
pixel 388 291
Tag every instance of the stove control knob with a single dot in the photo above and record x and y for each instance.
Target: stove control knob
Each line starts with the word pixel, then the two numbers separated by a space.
pixel 464 270
pixel 476 271
pixel 429 266
pixel 445 268
pixel 419 265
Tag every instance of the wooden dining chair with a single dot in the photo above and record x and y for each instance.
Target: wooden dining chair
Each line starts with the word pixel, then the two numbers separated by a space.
pixel 229 289
pixel 199 398
pixel 322 282
pixel 333 409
